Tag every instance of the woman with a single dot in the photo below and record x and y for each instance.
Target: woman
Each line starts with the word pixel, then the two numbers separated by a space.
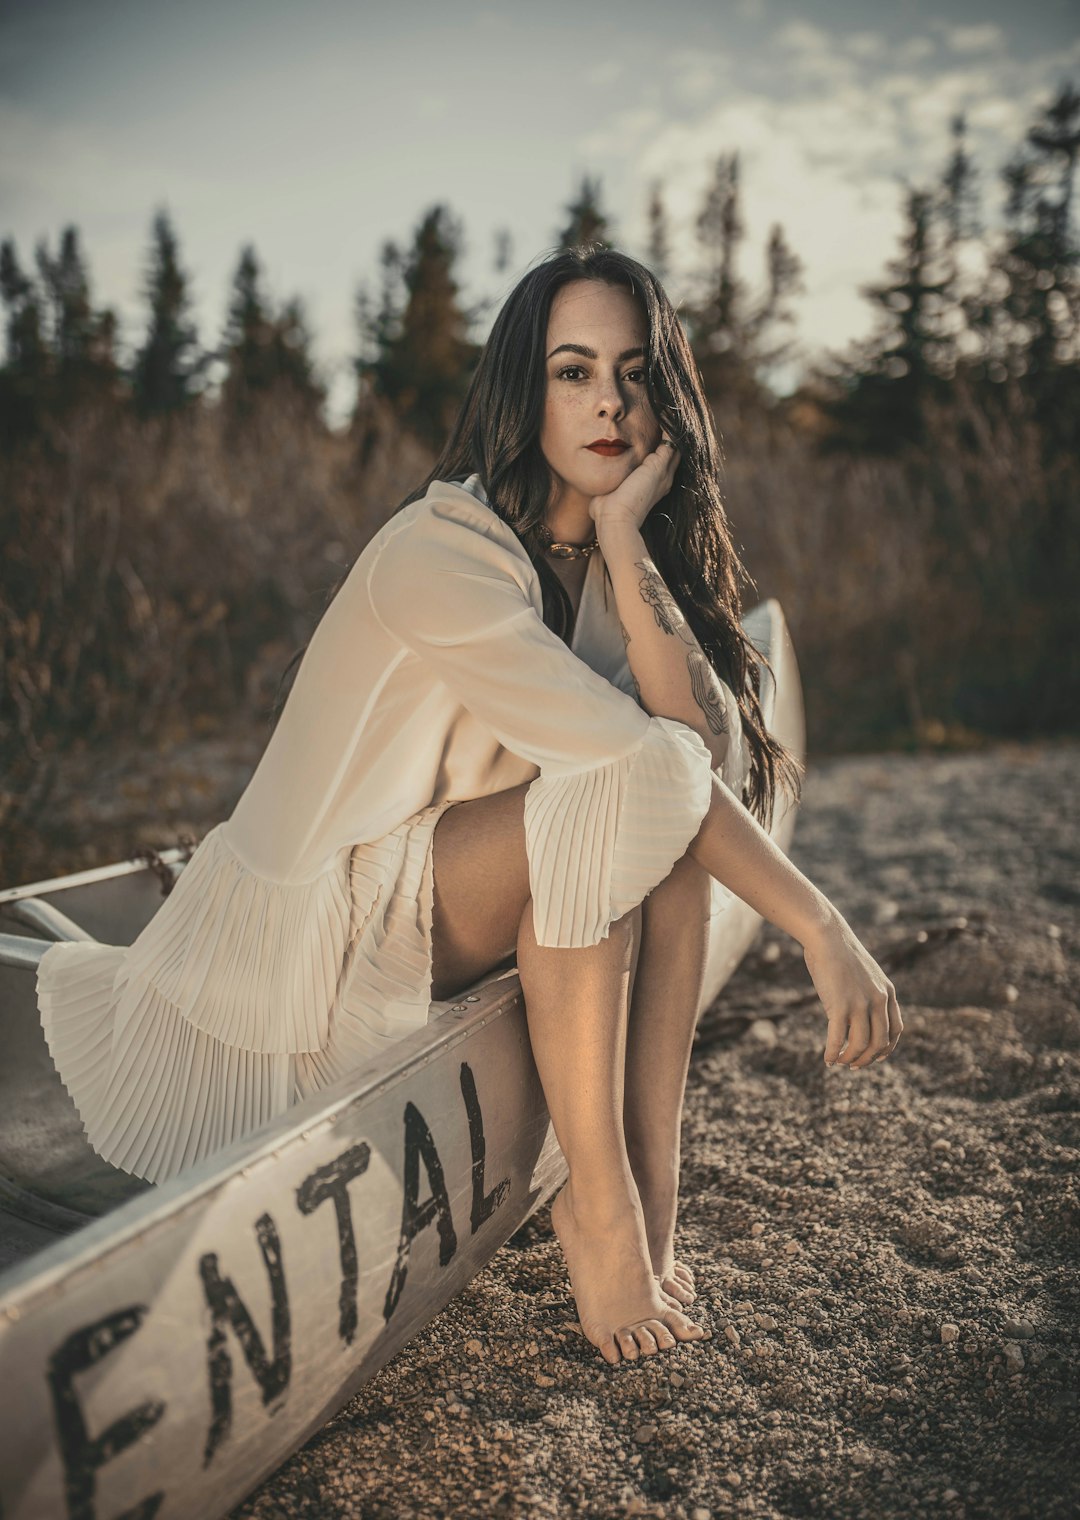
pixel 523 732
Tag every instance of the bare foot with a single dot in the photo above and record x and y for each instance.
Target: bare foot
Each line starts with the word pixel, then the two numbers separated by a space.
pixel 677 1285
pixel 659 1204
pixel 620 1305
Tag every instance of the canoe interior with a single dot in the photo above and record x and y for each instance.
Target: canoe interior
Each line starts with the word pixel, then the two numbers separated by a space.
pixel 52 1183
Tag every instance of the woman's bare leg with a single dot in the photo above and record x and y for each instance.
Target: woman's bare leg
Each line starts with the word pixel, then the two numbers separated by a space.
pixel 576 1004
pixel 666 997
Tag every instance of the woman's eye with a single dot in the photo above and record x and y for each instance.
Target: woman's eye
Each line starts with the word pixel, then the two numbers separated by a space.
pixel 576 369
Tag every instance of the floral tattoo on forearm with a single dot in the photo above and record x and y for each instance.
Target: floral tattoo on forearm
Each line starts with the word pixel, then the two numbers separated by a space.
pixel 669 619
pixel 666 610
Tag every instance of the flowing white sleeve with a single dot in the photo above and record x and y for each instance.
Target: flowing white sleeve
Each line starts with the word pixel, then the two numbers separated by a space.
pixel 620 794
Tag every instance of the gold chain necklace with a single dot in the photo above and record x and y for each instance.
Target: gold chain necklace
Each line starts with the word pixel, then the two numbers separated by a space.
pixel 563 550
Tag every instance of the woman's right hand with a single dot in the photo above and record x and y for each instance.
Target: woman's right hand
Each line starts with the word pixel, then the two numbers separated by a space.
pixel 634 498
pixel 859 999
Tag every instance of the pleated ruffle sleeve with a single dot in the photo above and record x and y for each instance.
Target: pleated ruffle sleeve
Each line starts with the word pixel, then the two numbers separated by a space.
pixel 620 794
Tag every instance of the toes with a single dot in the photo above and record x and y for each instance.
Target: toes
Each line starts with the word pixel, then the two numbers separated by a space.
pixel 628 1345
pixel 683 1271
pixel 661 1334
pixel 683 1328
pixel 609 1351
pixel 678 1290
pixel 646 1340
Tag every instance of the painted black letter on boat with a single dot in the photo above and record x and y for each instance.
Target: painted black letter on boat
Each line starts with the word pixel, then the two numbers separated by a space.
pixel 415 1216
pixel 83 1455
pixel 228 1308
pixel 483 1204
pixel 332 1181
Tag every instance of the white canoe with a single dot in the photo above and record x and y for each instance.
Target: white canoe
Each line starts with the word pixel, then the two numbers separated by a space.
pixel 163 1349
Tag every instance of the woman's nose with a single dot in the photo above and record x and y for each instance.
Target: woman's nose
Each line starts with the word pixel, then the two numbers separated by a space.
pixel 611 401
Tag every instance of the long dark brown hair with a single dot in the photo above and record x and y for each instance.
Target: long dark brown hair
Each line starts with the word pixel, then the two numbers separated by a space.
pixel 687 533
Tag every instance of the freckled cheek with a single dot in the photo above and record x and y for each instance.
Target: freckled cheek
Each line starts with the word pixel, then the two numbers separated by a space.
pixel 563 423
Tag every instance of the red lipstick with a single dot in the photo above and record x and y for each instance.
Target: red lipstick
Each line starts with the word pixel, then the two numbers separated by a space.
pixel 610 448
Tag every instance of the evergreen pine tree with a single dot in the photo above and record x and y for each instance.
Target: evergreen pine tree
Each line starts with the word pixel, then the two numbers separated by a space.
pixel 292 358
pixel 959 213
pixel 167 364
pixel 25 375
pixel 82 341
pixel 248 339
pixel 730 333
pixel 504 250
pixel 1033 329
pixel 420 355
pixel 658 253
pixel 587 222
pixel 883 380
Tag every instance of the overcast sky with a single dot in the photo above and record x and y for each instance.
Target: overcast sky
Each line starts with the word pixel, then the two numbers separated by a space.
pixel 318 130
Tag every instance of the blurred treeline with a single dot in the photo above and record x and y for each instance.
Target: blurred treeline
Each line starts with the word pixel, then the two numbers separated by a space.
pixel 172 524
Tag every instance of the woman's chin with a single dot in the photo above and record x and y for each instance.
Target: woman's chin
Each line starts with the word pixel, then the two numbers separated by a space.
pixel 606 473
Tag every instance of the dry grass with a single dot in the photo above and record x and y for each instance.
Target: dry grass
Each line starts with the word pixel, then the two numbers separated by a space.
pixel 158 577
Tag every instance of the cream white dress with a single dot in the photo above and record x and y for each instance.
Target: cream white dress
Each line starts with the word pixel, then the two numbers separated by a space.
pixel 296 943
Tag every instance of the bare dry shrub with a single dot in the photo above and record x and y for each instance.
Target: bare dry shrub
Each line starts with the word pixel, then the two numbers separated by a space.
pixel 928 594
pixel 158 577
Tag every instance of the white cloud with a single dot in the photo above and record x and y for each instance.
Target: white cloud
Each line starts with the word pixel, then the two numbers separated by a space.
pixel 974 39
pixel 606 72
pixel 913 50
pixel 826 157
pixel 866 44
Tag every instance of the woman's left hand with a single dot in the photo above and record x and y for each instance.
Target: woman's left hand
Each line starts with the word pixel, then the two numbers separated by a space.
pixel 859 1000
pixel 633 499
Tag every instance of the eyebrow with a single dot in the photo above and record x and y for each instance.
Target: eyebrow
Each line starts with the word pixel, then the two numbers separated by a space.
pixel 579 348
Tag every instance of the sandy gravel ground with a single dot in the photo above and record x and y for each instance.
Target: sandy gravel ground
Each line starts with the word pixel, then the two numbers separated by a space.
pixel 887 1259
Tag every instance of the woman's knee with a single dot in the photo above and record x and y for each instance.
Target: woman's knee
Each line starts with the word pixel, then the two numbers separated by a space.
pixel 685 890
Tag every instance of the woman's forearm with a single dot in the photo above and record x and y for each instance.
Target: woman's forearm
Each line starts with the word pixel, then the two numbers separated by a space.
pixel 673 675
pixel 741 855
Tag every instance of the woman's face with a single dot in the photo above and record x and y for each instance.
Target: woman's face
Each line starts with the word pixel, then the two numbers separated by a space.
pixel 595 388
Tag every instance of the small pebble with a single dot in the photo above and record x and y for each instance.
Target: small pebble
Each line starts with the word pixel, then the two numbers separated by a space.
pixel 644 1433
pixel 1018 1329
pixel 950 1334
pixel 1014 1357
